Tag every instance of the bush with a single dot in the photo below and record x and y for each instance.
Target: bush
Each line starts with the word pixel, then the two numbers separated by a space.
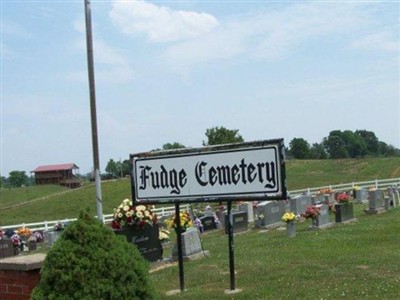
pixel 89 261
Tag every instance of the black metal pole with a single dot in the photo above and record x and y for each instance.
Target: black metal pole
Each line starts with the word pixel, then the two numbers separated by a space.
pixel 179 244
pixel 231 246
pixel 95 142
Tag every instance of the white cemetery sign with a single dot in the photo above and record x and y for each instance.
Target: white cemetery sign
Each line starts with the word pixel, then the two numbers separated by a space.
pixel 249 170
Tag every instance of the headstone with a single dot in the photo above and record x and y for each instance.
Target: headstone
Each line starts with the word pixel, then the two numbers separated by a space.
pixel 361 195
pixel 375 202
pixel 323 219
pixel 344 212
pixel 191 244
pixel 239 220
pixel 248 207
pixel 299 204
pixel 208 213
pixel 323 198
pixel 271 212
pixel 393 197
pixel 50 237
pixel 328 198
pixel 6 248
pixel 388 203
pixel 208 223
pixel 146 239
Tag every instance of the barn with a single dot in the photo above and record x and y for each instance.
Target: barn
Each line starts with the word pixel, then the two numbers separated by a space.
pixel 62 174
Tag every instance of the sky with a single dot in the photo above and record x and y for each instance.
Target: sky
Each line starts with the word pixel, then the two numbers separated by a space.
pixel 166 71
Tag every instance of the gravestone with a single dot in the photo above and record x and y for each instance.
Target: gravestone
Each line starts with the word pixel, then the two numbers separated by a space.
pixel 323 198
pixel 248 207
pixel 375 202
pixel 344 212
pixel 6 248
pixel 239 220
pixel 208 223
pixel 146 239
pixel 208 213
pixel 299 204
pixel 191 244
pixel 271 212
pixel 50 237
pixel 322 221
pixel 394 196
pixel 361 196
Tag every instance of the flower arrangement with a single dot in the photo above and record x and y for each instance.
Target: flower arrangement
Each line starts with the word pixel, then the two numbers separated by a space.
pixel 325 191
pixel 58 226
pixel 24 232
pixel 164 235
pixel 128 215
pixel 185 220
pixel 289 217
pixel 372 188
pixel 343 198
pixel 16 240
pixel 356 188
pixel 312 212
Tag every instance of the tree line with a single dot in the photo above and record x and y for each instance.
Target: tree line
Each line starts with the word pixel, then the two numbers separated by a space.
pixel 338 144
pixel 342 144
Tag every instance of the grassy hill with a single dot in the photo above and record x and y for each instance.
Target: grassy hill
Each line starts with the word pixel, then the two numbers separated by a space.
pixel 40 203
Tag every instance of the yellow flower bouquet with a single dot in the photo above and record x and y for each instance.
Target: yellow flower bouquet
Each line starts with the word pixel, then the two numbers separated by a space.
pixel 185 221
pixel 289 217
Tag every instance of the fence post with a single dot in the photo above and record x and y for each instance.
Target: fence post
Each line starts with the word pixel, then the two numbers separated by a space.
pixel 376 183
pixel 46 227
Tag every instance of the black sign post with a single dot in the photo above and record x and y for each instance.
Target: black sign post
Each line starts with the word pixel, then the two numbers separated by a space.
pixel 231 247
pixel 179 244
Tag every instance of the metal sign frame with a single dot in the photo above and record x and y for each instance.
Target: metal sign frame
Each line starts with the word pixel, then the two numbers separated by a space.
pixel 184 156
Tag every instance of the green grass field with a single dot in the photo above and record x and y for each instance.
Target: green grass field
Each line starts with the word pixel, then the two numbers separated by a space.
pixel 42 203
pixel 347 261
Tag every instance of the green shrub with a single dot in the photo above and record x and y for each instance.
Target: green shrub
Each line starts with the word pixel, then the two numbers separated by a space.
pixel 89 261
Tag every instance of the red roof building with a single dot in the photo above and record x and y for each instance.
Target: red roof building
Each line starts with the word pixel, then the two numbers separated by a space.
pixel 63 174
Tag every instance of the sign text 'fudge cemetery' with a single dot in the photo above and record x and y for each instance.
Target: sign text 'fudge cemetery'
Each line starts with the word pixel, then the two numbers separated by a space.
pixel 252 170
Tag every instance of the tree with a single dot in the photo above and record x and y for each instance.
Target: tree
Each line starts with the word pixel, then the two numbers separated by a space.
pixel 175 145
pixel 299 148
pixel 335 146
pixel 126 167
pixel 387 150
pixel 17 178
pixel 112 169
pixel 317 151
pixel 371 141
pixel 355 145
pixel 221 135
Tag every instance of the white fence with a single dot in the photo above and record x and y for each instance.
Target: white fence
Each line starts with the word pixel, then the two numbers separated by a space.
pixel 379 184
pixel 49 225
pixel 166 211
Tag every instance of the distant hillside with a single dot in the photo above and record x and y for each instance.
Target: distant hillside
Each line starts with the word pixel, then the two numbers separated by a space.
pixel 56 203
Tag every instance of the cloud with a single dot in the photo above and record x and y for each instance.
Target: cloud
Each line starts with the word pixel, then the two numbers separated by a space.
pixel 14 29
pixel 160 23
pixel 378 41
pixel 112 65
pixel 268 35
